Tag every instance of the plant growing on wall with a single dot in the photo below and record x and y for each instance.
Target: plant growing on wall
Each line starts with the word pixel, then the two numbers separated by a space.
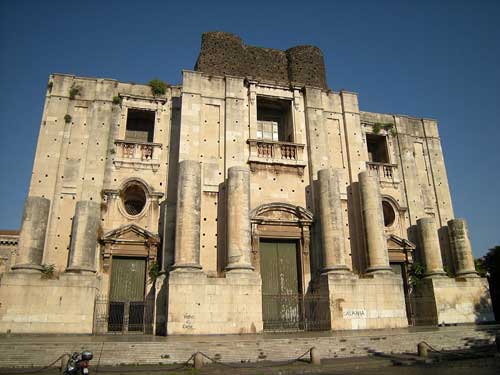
pixel 158 87
pixel 117 100
pixel 416 273
pixel 74 91
pixel 154 272
pixel 50 85
pixel 67 118
pixel 388 127
pixel 48 271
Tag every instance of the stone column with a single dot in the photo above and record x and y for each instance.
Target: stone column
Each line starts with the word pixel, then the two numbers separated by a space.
pixel 32 236
pixel 373 218
pixel 84 235
pixel 460 248
pixel 332 233
pixel 187 227
pixel 239 239
pixel 429 241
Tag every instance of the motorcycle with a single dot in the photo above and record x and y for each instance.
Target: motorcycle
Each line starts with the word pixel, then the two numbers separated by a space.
pixel 78 364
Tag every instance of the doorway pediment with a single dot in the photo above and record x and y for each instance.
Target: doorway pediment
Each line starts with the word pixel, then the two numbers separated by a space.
pixel 130 234
pixel 281 213
pixel 400 249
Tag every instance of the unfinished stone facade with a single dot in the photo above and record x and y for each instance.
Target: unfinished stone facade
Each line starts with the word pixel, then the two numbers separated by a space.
pixel 252 197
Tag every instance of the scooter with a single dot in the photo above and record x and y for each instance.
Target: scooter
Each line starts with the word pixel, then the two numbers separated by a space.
pixel 78 364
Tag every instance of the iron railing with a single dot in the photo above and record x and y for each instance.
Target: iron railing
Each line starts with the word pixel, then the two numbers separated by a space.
pixel 123 316
pixel 295 312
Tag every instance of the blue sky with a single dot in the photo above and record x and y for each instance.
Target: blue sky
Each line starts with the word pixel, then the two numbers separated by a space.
pixel 438 59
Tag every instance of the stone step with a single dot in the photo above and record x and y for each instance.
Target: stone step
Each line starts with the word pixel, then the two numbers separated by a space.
pixel 25 351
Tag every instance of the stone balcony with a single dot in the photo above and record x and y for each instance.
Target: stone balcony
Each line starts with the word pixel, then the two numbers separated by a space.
pixel 286 155
pixel 137 155
pixel 387 173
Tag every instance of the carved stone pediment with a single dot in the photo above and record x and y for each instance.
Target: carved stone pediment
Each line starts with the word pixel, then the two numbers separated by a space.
pixel 400 249
pixel 281 214
pixel 397 243
pixel 130 241
pixel 130 234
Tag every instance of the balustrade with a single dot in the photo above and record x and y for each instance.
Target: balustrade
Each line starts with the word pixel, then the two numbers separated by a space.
pixel 137 154
pixel 385 172
pixel 285 154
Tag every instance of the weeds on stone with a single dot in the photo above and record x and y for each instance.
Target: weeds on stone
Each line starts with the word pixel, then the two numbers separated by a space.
pixel 74 91
pixel 67 118
pixel 154 272
pixel 388 127
pixel 158 87
pixel 48 271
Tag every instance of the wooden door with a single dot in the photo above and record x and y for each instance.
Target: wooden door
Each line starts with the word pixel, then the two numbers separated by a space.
pixel 280 285
pixel 126 296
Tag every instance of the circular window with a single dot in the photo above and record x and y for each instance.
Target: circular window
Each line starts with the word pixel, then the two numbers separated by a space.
pixel 134 199
pixel 389 214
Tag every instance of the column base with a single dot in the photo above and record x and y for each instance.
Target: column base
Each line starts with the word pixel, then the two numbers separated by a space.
pixel 335 270
pixel 27 267
pixel 79 269
pixel 239 267
pixel 379 270
pixel 467 273
pixel 435 274
pixel 188 267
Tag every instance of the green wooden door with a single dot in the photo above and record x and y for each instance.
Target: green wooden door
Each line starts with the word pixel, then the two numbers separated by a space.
pixel 126 295
pixel 128 279
pixel 280 284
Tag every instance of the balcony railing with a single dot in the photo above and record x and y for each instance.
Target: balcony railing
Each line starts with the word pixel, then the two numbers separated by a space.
pixel 386 172
pixel 137 155
pixel 274 152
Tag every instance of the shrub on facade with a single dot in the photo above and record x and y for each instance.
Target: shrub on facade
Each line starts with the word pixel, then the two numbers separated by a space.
pixel 74 91
pixel 158 87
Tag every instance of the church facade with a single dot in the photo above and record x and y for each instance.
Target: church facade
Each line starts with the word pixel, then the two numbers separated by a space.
pixel 250 198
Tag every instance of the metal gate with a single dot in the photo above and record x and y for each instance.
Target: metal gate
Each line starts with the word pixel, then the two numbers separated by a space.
pixel 284 306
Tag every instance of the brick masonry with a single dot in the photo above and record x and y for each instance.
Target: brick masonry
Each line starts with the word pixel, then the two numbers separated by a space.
pixel 26 351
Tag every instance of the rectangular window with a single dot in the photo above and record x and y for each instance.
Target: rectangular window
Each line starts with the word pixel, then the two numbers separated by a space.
pixel 377 148
pixel 274 119
pixel 140 125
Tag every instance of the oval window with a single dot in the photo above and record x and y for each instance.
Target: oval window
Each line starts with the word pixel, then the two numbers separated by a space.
pixel 389 214
pixel 134 199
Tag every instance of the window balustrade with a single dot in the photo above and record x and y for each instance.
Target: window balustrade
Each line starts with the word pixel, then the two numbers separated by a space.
pixel 138 155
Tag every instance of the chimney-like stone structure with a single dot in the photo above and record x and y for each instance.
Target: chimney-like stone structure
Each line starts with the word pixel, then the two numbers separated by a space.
pixel 429 242
pixel 84 237
pixel 373 219
pixel 330 208
pixel 238 219
pixel 461 248
pixel 32 236
pixel 187 229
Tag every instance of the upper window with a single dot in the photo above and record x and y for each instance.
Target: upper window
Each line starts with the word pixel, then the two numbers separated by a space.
pixel 274 119
pixel 140 125
pixel 377 148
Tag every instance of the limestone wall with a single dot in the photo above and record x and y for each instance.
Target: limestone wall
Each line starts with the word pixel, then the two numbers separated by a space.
pixel 370 303
pixel 201 305
pixel 447 300
pixel 32 304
